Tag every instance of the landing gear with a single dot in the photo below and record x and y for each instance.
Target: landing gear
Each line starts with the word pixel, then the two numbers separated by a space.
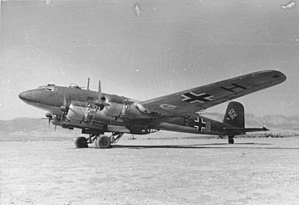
pixel 115 137
pixel 81 142
pixel 104 142
pixel 230 139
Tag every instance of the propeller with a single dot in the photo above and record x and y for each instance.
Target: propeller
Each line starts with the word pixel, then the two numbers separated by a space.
pixel 100 103
pixel 50 117
pixel 64 108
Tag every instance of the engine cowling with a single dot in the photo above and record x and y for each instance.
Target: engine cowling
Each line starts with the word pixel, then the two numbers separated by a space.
pixel 77 111
pixel 87 112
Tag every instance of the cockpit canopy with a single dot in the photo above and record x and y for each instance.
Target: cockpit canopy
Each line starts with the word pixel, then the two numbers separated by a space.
pixel 49 87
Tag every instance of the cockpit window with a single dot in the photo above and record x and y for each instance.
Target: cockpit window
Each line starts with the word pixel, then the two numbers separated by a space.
pixel 49 87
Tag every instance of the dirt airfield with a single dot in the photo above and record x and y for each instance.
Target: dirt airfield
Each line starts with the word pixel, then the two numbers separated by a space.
pixel 151 171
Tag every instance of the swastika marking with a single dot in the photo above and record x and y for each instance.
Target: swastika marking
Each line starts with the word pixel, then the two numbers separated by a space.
pixel 232 114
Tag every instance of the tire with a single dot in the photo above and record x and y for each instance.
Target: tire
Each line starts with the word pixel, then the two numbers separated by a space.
pixel 231 140
pixel 81 142
pixel 103 142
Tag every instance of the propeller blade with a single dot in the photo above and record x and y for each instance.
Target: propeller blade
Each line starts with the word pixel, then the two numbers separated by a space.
pixel 49 116
pixel 64 108
pixel 64 101
pixel 93 116
pixel 100 103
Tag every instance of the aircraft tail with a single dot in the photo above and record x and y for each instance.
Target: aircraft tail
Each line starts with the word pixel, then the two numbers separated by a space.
pixel 234 115
pixel 235 118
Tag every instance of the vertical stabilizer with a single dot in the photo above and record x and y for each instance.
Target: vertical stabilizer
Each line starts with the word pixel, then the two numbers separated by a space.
pixel 234 115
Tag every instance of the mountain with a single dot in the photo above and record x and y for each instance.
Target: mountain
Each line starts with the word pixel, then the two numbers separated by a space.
pixel 32 129
pixel 23 125
pixel 28 125
pixel 282 122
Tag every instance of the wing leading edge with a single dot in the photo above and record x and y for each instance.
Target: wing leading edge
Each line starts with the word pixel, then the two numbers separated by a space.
pixel 190 101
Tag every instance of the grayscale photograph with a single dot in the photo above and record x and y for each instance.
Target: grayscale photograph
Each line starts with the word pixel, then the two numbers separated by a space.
pixel 149 102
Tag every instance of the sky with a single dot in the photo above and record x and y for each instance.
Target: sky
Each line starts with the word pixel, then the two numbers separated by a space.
pixel 144 49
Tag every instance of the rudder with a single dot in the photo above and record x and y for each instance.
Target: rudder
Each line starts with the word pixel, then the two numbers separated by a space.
pixel 234 115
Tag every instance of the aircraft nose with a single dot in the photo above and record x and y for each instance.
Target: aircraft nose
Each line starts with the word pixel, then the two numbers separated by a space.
pixel 25 95
pixel 28 96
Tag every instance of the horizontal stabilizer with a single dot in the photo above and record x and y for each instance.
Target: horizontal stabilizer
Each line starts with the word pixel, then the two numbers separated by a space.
pixel 244 130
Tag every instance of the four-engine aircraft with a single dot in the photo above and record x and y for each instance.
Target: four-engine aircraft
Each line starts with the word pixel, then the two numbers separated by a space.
pixel 97 113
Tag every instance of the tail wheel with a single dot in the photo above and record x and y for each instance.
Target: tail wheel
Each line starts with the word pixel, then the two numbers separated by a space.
pixel 81 142
pixel 103 142
pixel 231 139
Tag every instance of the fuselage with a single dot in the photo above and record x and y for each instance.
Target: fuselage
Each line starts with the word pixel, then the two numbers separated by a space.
pixel 73 107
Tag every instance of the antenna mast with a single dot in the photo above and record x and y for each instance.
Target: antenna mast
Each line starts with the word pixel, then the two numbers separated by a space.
pixel 100 87
pixel 88 83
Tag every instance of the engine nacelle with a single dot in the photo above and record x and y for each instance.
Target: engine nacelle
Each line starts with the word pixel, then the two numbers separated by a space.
pixel 77 111
pixel 85 112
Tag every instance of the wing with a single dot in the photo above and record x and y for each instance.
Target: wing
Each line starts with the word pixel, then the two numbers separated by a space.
pixel 193 100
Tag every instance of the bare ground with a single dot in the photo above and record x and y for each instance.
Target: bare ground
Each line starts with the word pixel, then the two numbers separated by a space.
pixel 169 171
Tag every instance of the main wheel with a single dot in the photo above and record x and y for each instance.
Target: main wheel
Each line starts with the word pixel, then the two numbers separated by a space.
pixel 103 142
pixel 81 142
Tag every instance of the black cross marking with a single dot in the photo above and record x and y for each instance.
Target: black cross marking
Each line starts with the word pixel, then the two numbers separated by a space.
pixel 235 88
pixel 200 124
pixel 192 97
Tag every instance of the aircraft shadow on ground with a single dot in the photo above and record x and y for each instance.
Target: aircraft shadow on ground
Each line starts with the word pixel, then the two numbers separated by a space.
pixel 207 146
